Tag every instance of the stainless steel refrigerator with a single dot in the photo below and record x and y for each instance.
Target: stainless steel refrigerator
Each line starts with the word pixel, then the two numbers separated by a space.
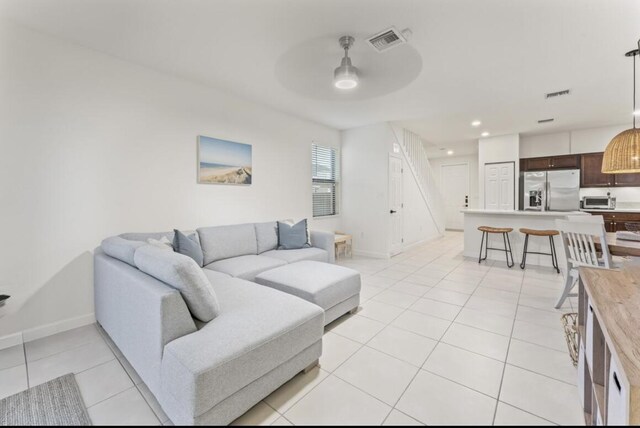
pixel 550 190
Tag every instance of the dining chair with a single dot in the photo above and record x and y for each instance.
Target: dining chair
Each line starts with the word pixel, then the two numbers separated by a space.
pixel 577 234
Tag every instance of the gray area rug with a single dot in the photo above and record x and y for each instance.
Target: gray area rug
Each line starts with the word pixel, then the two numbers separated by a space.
pixel 57 402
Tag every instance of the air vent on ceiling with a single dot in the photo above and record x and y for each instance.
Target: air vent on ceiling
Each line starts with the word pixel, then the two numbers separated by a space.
pixel 557 94
pixel 388 38
pixel 546 120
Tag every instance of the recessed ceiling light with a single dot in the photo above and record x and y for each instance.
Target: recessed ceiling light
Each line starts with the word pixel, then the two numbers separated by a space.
pixel 485 134
pixel 476 123
pixel 449 152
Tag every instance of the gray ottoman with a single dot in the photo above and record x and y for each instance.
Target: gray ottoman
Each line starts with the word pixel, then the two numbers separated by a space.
pixel 335 289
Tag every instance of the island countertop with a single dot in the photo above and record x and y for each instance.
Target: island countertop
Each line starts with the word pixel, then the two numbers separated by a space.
pixel 522 213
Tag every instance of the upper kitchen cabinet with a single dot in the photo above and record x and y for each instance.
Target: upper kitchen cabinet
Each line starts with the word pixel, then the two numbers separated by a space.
pixel 552 162
pixel 591 175
pixel 590 171
pixel 535 164
pixel 627 180
pixel 565 162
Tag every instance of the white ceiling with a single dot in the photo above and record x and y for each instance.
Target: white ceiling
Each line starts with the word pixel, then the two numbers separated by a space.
pixel 491 60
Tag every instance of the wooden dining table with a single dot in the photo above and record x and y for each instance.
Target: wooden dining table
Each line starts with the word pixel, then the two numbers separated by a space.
pixel 620 247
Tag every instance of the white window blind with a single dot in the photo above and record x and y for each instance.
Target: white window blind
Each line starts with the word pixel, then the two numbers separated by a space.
pixel 324 180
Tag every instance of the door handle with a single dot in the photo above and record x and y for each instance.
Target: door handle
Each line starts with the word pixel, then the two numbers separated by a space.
pixel 392 211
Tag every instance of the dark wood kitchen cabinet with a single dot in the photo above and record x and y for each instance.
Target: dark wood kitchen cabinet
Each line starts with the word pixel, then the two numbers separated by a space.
pixel 590 171
pixel 591 175
pixel 627 180
pixel 551 162
pixel 615 221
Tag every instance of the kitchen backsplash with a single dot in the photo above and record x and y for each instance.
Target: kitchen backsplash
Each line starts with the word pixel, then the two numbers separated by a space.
pixel 626 197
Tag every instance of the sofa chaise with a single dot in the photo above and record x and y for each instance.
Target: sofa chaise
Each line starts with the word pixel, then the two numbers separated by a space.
pixel 212 372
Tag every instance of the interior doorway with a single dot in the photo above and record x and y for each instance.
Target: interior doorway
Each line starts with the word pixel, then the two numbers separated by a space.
pixel 395 203
pixel 454 184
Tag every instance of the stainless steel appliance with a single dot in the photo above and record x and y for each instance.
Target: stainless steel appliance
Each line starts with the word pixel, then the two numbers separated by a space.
pixel 599 202
pixel 551 190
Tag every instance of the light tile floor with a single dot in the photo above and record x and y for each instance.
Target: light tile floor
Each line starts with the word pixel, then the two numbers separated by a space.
pixel 439 339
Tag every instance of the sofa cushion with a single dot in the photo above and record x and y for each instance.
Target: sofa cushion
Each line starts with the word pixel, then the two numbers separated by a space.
pixel 267 236
pixel 121 249
pixel 324 284
pixel 292 256
pixel 258 330
pixel 291 237
pixel 224 242
pixel 245 267
pixel 143 236
pixel 183 274
pixel 188 246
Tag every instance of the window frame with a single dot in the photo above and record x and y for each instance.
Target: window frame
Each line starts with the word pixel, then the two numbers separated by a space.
pixel 334 151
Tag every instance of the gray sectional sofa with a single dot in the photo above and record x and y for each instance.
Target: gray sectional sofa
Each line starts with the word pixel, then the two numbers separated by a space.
pixel 212 372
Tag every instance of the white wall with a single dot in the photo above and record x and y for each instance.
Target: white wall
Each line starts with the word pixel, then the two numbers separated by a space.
pixel 503 148
pixel 365 188
pixel 472 161
pixel 594 139
pixel 572 142
pixel 545 145
pixel 365 193
pixel 94 146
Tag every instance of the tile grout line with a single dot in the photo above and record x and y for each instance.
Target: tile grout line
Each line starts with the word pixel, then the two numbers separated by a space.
pixel 67 349
pixel 422 365
pixel 366 344
pixel 506 357
pixel 392 407
pixel 421 368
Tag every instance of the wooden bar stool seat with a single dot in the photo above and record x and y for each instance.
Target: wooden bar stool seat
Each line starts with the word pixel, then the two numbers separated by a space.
pixel 486 230
pixel 536 232
pixel 539 232
pixel 490 229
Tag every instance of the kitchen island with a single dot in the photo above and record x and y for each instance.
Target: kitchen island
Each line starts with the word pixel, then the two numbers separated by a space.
pixel 473 218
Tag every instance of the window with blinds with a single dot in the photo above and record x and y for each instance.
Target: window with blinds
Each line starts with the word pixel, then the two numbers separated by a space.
pixel 324 175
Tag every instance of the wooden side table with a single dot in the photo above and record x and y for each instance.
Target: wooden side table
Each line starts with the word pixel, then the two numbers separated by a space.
pixel 343 241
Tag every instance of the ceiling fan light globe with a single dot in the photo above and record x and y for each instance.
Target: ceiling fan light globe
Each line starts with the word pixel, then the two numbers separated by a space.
pixel 345 77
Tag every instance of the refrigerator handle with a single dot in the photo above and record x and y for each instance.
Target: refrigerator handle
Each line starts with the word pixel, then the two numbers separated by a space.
pixel 547 197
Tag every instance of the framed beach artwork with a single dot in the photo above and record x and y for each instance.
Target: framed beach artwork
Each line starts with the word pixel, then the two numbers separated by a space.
pixel 223 162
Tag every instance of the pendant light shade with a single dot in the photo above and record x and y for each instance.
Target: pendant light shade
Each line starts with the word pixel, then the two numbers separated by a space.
pixel 622 154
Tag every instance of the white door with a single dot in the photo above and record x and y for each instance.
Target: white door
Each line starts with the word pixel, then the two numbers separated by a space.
pixel 454 185
pixel 395 203
pixel 499 186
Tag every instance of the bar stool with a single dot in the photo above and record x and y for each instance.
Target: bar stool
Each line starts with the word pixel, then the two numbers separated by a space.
pixel 486 230
pixel 552 246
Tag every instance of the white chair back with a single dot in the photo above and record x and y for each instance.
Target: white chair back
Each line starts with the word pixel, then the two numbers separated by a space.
pixel 577 235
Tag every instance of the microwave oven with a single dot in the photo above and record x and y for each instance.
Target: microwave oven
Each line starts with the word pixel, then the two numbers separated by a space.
pixel 598 203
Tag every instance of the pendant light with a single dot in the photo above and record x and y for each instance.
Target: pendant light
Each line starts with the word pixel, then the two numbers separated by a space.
pixel 346 76
pixel 622 154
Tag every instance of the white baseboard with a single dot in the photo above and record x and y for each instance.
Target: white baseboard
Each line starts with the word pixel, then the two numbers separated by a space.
pixel 46 330
pixel 420 242
pixel 10 340
pixel 58 327
pixel 374 254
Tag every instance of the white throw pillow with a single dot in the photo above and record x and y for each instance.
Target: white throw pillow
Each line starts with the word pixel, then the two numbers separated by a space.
pixel 162 243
